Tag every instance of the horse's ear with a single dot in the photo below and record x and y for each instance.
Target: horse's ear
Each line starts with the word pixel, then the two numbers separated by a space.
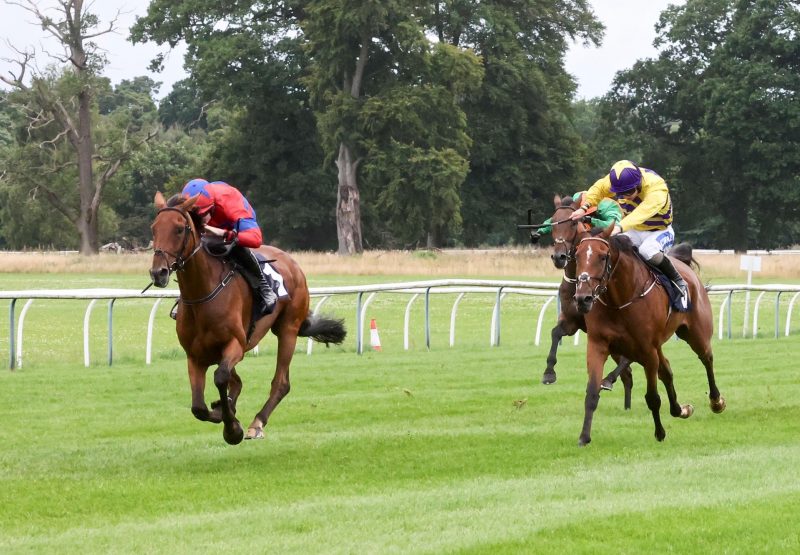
pixel 189 203
pixel 557 201
pixel 159 200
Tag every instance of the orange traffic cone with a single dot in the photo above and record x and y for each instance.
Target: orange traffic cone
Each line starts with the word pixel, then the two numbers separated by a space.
pixel 374 339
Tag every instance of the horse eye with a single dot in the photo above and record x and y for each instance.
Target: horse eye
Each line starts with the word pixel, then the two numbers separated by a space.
pixel 179 230
pixel 603 257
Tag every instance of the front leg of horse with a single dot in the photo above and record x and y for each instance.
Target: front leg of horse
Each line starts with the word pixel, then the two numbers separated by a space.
pixel 595 359
pixel 197 383
pixel 232 431
pixel 549 376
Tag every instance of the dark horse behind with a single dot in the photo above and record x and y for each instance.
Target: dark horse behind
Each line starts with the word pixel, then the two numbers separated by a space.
pixel 214 320
pixel 627 312
pixel 565 233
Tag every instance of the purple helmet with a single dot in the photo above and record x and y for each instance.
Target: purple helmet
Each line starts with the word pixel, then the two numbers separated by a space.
pixel 625 175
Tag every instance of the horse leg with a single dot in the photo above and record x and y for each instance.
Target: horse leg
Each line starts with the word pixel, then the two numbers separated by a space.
pixel 651 396
pixel 627 381
pixel 234 389
pixel 666 377
pixel 559 331
pixel 197 383
pixel 232 431
pixel 280 384
pixel 596 355
pixel 609 381
pixel 702 349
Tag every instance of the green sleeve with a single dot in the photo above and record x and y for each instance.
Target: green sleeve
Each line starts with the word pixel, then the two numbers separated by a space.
pixel 608 212
pixel 547 228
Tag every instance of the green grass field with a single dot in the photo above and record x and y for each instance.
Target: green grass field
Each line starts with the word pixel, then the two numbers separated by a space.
pixel 452 450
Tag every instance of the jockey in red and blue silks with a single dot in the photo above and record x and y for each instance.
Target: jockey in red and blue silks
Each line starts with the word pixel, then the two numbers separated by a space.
pixel 228 208
pixel 225 212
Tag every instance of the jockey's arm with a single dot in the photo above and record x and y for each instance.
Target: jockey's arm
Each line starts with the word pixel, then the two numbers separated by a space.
pixel 249 233
pixel 608 213
pixel 597 192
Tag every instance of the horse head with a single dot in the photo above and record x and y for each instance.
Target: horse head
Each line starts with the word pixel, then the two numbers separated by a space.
pixel 175 238
pixel 593 256
pixel 564 231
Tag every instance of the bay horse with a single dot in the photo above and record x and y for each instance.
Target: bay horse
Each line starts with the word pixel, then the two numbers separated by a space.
pixel 565 234
pixel 214 316
pixel 633 317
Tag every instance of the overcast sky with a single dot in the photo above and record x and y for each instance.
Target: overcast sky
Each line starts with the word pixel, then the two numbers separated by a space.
pixel 629 37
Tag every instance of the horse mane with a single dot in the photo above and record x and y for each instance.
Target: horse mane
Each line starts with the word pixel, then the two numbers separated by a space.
pixel 177 199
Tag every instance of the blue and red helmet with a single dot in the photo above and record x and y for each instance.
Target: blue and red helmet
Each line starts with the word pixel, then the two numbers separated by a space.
pixel 204 202
pixel 625 175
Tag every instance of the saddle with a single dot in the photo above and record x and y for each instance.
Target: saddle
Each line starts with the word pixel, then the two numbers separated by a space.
pixel 674 296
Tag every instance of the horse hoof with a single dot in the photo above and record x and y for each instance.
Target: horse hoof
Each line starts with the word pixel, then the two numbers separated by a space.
pixel 661 435
pixel 584 442
pixel 549 378
pixel 233 434
pixel 255 433
pixel 687 411
pixel 607 385
pixel 718 405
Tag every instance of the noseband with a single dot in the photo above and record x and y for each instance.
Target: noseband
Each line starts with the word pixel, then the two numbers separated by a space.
pixel 602 281
pixel 180 261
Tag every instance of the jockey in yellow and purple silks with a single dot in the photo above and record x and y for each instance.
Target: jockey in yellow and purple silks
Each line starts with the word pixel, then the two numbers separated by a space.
pixel 647 208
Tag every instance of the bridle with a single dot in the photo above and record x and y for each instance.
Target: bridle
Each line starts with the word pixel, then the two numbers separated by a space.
pixel 602 281
pixel 180 261
pixel 608 271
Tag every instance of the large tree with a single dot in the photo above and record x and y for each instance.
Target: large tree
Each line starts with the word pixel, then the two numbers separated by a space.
pixel 61 107
pixel 719 107
pixel 525 147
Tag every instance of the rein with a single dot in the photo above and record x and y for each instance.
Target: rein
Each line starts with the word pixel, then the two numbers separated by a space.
pixel 603 280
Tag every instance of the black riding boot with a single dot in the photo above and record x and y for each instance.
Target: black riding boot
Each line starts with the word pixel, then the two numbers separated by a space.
pixel 248 260
pixel 674 276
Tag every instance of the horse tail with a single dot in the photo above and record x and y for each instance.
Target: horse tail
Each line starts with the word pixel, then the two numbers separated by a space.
pixel 683 252
pixel 323 330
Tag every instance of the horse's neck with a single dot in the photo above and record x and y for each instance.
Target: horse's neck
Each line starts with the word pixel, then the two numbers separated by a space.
pixel 200 275
pixel 629 276
pixel 570 270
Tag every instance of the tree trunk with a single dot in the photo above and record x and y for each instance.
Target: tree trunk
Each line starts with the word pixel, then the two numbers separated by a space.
pixel 348 211
pixel 87 219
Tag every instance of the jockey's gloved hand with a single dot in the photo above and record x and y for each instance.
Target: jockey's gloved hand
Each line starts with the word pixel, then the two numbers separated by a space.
pixel 231 236
pixel 535 236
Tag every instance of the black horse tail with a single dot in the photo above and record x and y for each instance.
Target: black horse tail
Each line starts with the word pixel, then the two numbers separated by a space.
pixel 683 252
pixel 323 330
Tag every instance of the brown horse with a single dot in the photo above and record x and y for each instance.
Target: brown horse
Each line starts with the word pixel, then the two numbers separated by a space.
pixel 565 234
pixel 633 317
pixel 214 316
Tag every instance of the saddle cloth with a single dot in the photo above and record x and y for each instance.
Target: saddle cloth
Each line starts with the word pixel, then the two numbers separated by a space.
pixel 270 271
pixel 675 298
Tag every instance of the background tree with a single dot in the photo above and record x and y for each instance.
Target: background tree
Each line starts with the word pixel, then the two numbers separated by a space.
pixel 525 147
pixel 61 106
pixel 719 107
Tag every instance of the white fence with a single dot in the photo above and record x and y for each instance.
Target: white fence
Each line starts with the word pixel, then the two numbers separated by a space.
pixel 460 287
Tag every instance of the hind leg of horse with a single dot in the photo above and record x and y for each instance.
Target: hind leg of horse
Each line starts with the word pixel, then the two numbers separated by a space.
pixel 627 381
pixel 702 349
pixel 609 381
pixel 596 355
pixel 666 377
pixel 280 384
pixel 561 329
pixel 232 431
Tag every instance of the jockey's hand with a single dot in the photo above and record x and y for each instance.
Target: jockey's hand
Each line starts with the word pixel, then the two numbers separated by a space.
pixel 578 214
pixel 230 236
pixel 617 229
pixel 535 236
pixel 219 232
